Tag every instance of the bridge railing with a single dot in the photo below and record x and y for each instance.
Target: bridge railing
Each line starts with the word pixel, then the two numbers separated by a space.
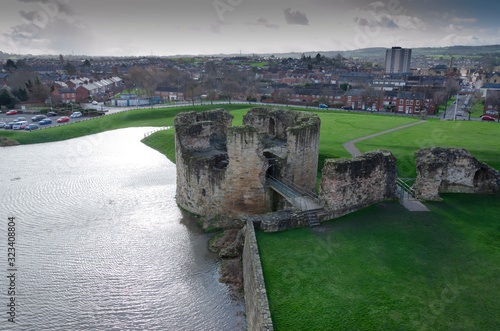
pixel 295 187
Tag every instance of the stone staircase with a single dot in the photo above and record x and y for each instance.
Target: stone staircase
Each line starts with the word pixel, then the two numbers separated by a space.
pixel 309 208
pixel 312 216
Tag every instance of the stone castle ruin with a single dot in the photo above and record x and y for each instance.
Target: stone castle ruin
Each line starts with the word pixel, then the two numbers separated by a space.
pixel 223 170
pixel 270 164
pixel 452 170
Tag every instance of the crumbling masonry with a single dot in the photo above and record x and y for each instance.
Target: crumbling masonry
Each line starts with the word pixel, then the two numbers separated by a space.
pixel 221 170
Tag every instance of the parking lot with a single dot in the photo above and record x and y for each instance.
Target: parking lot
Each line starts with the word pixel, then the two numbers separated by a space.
pixel 10 118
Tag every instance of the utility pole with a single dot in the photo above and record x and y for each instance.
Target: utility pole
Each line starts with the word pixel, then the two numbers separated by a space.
pixel 456 105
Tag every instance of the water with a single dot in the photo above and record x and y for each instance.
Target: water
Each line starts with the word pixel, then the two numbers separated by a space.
pixel 101 244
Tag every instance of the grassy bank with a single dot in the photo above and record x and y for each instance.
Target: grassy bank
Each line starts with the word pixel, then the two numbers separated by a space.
pixel 384 268
pixel 134 118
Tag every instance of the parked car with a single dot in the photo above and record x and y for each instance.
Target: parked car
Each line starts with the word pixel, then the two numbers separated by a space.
pixel 38 118
pixel 63 119
pixel 11 112
pixel 9 125
pixel 20 119
pixel 20 125
pixel 347 108
pixel 487 118
pixel 95 103
pixel 76 114
pixel 2 124
pixel 45 121
pixel 31 127
pixel 322 105
pixel 51 113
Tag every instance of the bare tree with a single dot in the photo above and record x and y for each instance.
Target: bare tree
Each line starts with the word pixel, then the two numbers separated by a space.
pixel 370 95
pixel 147 80
pixel 285 95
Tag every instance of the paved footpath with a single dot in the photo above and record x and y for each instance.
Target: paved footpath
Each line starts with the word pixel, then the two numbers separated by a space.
pixel 411 205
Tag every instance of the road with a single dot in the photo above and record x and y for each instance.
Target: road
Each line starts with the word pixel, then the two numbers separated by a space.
pixel 455 110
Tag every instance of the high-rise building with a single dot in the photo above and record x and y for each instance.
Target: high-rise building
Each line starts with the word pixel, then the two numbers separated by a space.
pixel 397 60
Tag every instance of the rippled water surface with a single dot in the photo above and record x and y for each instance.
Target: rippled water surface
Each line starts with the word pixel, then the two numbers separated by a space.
pixel 101 244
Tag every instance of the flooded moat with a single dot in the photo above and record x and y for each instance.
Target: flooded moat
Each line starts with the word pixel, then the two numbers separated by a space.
pixel 101 243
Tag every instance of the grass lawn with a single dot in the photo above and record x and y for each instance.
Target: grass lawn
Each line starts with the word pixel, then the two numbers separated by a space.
pixel 134 118
pixel 384 268
pixel 481 139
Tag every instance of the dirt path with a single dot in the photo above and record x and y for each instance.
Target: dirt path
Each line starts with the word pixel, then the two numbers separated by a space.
pixel 354 151
pixel 411 205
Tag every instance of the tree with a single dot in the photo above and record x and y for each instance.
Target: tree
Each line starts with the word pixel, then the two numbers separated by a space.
pixel 191 90
pixel 8 99
pixel 86 63
pixel 61 59
pixel 345 86
pixel 230 87
pixel 285 95
pixel 10 64
pixel 69 68
pixel 439 98
pixel 146 80
pixel 38 91
pixel 370 95
pixel 21 94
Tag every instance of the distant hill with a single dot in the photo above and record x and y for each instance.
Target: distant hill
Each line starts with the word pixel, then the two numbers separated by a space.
pixel 367 54
pixel 379 52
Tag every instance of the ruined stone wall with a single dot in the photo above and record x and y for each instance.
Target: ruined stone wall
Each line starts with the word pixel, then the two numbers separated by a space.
pixel 245 183
pixel 301 166
pixel 258 315
pixel 199 182
pixel 301 131
pixel 351 184
pixel 452 170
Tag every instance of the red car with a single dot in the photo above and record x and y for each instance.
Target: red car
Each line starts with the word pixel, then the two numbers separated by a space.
pixel 487 118
pixel 63 119
pixel 11 112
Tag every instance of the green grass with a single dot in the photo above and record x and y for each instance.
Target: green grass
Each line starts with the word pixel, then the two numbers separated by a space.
pixel 481 139
pixel 477 109
pixel 134 118
pixel 384 268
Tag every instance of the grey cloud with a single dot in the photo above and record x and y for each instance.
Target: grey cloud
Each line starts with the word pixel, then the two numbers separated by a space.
pixel 296 17
pixel 388 23
pixel 384 22
pixel 264 22
pixel 53 6
pixel 29 16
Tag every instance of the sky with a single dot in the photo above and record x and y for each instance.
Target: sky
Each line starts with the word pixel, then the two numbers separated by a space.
pixel 205 27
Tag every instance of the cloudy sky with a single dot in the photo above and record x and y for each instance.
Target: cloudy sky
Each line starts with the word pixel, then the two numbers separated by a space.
pixel 132 27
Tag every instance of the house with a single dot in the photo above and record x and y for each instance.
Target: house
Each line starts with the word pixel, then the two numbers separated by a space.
pixel 388 84
pixel 354 99
pixel 170 93
pixel 65 95
pixel 410 102
pixel 493 78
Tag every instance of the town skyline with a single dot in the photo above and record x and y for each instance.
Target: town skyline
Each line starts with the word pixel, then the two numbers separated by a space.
pixel 151 27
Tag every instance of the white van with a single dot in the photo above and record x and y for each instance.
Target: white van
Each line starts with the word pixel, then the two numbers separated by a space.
pixel 20 125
